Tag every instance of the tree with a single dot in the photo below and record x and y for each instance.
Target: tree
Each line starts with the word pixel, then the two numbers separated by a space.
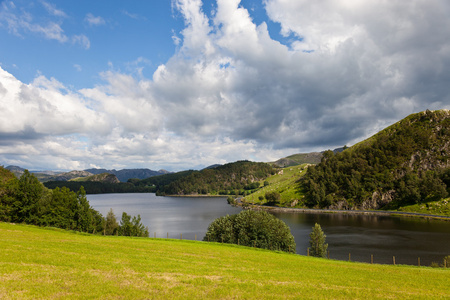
pixel 254 229
pixel 273 197
pixel 111 225
pixel 29 192
pixel 317 244
pixel 132 227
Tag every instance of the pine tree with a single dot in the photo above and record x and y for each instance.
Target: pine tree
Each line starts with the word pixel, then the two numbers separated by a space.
pixel 317 242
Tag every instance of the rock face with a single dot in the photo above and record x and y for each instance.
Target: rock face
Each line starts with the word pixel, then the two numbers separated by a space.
pixel 378 200
pixel 104 177
pixel 71 175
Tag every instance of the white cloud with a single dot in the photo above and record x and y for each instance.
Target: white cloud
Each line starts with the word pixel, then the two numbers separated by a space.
pixel 232 92
pixel 53 10
pixel 77 67
pixel 94 21
pixel 82 40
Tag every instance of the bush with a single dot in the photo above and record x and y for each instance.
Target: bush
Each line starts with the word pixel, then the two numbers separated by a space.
pixel 273 197
pixel 254 229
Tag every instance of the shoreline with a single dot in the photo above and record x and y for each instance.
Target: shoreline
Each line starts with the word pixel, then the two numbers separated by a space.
pixel 349 212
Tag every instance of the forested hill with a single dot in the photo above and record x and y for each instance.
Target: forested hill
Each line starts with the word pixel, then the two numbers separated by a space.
pixel 403 164
pixel 232 178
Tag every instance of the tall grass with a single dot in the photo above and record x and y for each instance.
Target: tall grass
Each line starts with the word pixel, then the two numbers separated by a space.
pixel 39 263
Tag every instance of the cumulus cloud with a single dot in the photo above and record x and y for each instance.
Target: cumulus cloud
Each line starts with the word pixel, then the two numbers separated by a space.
pixel 232 91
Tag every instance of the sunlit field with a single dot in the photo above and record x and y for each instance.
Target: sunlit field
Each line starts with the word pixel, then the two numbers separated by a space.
pixel 42 263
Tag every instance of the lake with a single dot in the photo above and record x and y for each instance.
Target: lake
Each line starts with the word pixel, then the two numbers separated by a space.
pixel 383 237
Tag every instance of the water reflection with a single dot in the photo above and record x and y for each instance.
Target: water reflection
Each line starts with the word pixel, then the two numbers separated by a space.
pixel 382 236
pixel 361 235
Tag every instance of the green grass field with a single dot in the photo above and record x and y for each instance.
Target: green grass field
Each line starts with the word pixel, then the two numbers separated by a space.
pixel 40 263
pixel 285 184
pixel 439 208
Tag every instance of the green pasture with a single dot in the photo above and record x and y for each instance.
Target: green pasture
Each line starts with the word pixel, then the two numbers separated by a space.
pixel 285 184
pixel 439 208
pixel 43 263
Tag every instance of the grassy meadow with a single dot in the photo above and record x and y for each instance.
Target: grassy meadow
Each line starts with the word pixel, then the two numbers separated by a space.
pixel 45 263
pixel 285 184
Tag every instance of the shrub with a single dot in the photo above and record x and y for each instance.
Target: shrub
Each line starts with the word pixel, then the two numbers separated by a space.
pixel 252 228
pixel 273 197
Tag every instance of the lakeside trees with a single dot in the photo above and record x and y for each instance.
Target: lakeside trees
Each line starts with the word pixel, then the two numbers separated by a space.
pixel 26 200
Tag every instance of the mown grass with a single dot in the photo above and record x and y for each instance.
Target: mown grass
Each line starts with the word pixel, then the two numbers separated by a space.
pixel 285 184
pixel 37 263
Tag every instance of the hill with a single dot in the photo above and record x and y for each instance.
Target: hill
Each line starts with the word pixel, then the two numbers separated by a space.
pixel 298 159
pixel 404 164
pixel 125 174
pixel 302 158
pixel 103 177
pixel 229 179
pixel 283 184
pixel 40 263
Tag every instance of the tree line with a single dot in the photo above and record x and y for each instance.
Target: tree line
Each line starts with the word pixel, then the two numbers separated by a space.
pixel 236 178
pixel 26 200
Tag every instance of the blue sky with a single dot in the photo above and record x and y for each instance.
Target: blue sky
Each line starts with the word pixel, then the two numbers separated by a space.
pixel 118 33
pixel 187 83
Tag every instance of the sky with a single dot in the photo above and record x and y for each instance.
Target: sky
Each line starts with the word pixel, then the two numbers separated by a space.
pixel 184 84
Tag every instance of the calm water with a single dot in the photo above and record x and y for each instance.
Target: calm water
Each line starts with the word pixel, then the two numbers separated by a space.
pixel 189 216
pixel 383 236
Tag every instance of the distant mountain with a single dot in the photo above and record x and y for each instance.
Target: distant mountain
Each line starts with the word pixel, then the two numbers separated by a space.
pixel 125 174
pixel 102 177
pixel 122 175
pixel 18 171
pixel 212 166
pixel 302 158
pixel 298 159
pixel 69 176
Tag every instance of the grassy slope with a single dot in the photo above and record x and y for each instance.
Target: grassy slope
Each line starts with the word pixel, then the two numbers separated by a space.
pixel 286 184
pixel 48 264
pixel 440 208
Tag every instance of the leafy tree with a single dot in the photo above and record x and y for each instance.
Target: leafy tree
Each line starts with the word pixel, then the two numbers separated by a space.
pixel 29 192
pixel 8 189
pixel 132 227
pixel 272 197
pixel 252 228
pixel 317 244
pixel 138 228
pixel 111 225
pixel 126 227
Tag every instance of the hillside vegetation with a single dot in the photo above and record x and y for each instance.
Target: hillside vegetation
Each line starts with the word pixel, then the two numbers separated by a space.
pixel 407 163
pixel 229 179
pixel 38 263
pixel 285 184
pixel 299 159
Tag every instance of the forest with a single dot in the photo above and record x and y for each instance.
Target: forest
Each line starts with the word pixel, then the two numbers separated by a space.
pixel 404 164
pixel 230 179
